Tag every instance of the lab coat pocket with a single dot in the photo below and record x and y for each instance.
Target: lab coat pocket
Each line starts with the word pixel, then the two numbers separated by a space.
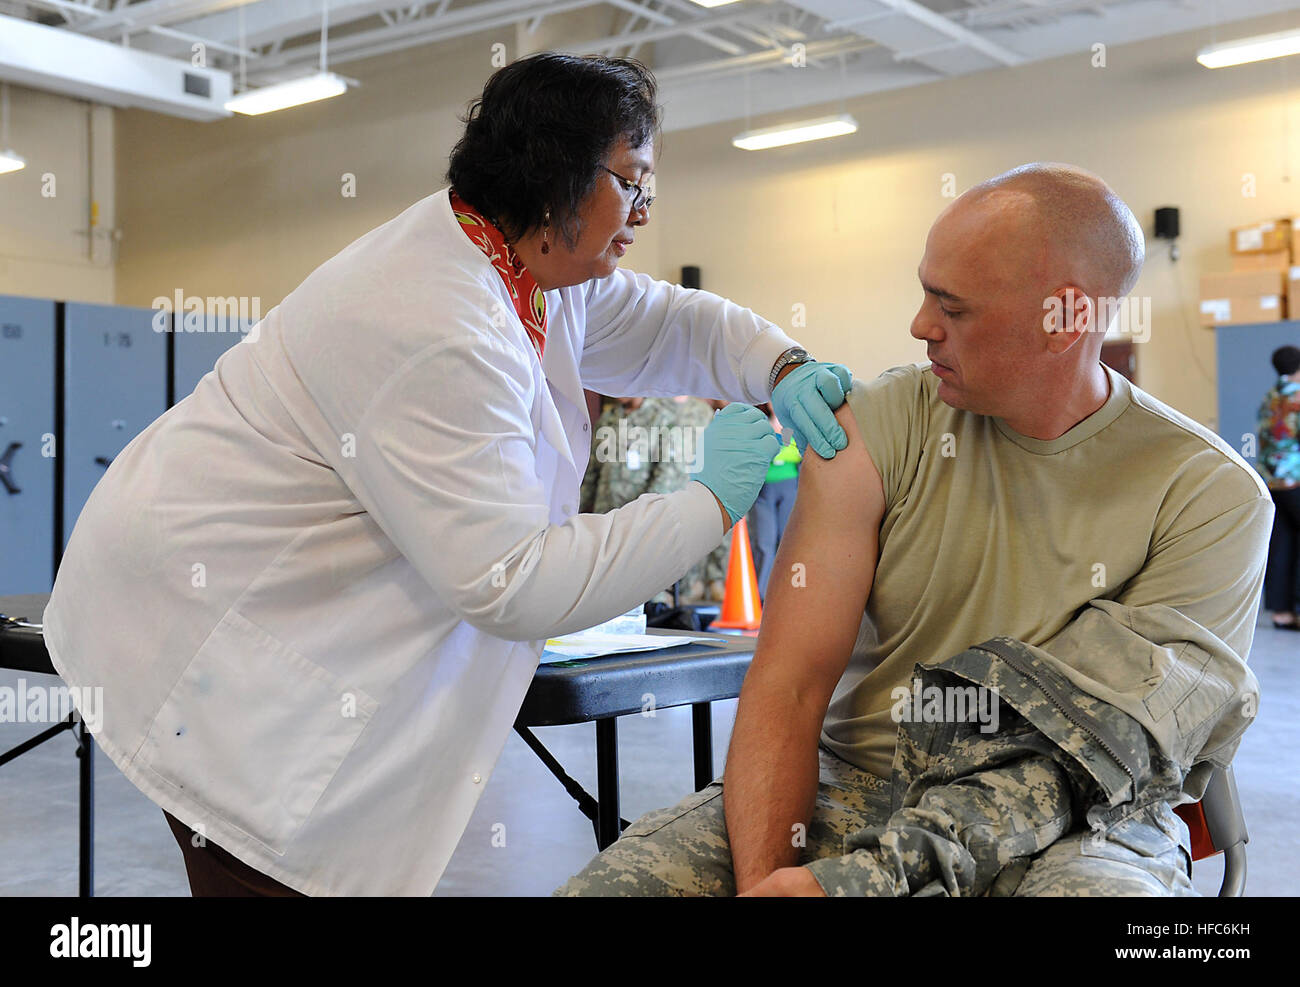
pixel 254 731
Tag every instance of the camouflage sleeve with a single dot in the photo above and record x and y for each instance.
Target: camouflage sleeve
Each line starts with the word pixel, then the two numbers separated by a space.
pixel 668 465
pixel 986 807
pixel 587 493
pixel 1005 757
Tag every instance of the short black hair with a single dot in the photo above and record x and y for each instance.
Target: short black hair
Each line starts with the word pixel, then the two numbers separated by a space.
pixel 540 132
pixel 1286 360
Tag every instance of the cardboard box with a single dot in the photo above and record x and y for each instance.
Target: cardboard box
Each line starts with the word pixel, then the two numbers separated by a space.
pixel 1293 292
pixel 1269 260
pixel 1258 238
pixel 1243 296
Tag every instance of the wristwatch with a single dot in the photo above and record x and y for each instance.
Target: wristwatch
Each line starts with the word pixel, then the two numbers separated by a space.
pixel 794 355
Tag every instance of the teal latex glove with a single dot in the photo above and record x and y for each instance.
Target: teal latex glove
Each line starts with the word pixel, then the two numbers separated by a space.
pixel 806 398
pixel 736 450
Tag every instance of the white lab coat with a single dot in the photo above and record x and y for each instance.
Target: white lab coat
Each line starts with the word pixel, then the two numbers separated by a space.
pixel 315 591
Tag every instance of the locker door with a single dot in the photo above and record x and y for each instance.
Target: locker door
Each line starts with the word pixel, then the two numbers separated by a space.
pixel 198 352
pixel 27 446
pixel 114 385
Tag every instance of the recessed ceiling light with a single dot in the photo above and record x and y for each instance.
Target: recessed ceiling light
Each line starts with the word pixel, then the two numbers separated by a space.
pixel 796 133
pixel 11 161
pixel 282 95
pixel 1256 49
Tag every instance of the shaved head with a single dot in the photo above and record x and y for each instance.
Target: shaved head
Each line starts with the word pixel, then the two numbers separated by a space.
pixel 1087 234
pixel 1019 275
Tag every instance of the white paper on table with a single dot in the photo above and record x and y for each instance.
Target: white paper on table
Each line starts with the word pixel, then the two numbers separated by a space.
pixel 588 644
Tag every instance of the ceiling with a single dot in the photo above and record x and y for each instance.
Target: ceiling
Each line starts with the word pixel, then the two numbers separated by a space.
pixel 713 64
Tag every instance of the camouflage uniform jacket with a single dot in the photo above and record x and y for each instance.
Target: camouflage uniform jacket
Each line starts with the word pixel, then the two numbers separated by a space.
pixel 616 476
pixel 972 809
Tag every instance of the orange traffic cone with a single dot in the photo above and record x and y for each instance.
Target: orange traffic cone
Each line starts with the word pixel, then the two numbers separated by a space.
pixel 741 607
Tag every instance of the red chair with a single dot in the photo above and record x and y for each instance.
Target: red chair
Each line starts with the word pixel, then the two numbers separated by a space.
pixel 1217 826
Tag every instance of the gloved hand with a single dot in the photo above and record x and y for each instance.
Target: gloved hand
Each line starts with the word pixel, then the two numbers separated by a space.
pixel 737 448
pixel 806 399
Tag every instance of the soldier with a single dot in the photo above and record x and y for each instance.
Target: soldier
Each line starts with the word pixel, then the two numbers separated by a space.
pixel 649 445
pixel 1106 550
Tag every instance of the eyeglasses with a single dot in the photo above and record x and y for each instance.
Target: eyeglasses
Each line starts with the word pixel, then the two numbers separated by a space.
pixel 644 196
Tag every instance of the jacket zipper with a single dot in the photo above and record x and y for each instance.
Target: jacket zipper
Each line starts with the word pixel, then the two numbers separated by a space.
pixel 1067 712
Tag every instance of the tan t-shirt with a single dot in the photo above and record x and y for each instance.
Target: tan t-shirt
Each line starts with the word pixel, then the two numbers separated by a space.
pixel 987 532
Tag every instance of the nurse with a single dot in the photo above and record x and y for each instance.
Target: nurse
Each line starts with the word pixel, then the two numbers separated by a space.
pixel 314 592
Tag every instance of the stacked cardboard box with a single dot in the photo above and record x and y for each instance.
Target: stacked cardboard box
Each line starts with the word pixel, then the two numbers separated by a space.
pixel 1264 283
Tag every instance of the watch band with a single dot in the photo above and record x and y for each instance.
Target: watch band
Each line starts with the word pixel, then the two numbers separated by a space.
pixel 791 357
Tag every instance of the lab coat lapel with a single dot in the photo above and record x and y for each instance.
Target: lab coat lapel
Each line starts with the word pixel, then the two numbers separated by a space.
pixel 552 429
pixel 560 363
pixel 560 367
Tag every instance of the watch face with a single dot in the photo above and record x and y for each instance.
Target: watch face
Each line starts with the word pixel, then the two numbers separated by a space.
pixel 791 357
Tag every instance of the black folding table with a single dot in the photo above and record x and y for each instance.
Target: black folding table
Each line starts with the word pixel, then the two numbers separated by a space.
pixel 23 649
pixel 599 689
pixel 605 688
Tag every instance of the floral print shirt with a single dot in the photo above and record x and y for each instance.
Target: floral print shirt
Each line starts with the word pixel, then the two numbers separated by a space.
pixel 1279 434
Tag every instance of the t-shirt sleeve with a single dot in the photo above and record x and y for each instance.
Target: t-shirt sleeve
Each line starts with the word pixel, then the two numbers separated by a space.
pixel 1171 647
pixel 890 412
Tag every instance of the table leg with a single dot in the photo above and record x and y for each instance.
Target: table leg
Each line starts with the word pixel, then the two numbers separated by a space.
pixel 702 741
pixel 607 810
pixel 86 813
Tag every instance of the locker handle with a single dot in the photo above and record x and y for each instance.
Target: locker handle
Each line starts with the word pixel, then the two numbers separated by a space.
pixel 5 468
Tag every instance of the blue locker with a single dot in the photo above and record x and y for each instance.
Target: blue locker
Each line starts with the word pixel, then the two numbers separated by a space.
pixel 197 352
pixel 1245 375
pixel 115 385
pixel 27 446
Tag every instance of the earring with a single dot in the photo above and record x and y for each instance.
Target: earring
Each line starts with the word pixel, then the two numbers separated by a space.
pixel 546 222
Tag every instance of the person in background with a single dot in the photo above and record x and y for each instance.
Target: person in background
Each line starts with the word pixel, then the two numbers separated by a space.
pixel 1279 464
pixel 771 511
pixel 616 475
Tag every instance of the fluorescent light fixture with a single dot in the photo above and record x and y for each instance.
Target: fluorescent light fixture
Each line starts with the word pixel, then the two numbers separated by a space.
pixel 714 3
pixel 796 133
pixel 10 161
pixel 1256 49
pixel 282 95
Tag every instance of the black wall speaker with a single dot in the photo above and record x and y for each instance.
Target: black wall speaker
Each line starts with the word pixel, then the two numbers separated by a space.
pixel 1167 222
pixel 690 277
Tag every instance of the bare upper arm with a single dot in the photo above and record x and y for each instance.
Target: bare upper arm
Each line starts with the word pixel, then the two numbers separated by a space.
pixel 823 570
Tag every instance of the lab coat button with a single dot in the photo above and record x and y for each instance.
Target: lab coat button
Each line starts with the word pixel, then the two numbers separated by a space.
pixel 477 778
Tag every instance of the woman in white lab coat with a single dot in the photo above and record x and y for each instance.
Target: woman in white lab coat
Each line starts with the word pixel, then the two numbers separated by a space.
pixel 316 590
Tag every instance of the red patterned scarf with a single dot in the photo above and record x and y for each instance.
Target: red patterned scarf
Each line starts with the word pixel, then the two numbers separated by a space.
pixel 529 302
